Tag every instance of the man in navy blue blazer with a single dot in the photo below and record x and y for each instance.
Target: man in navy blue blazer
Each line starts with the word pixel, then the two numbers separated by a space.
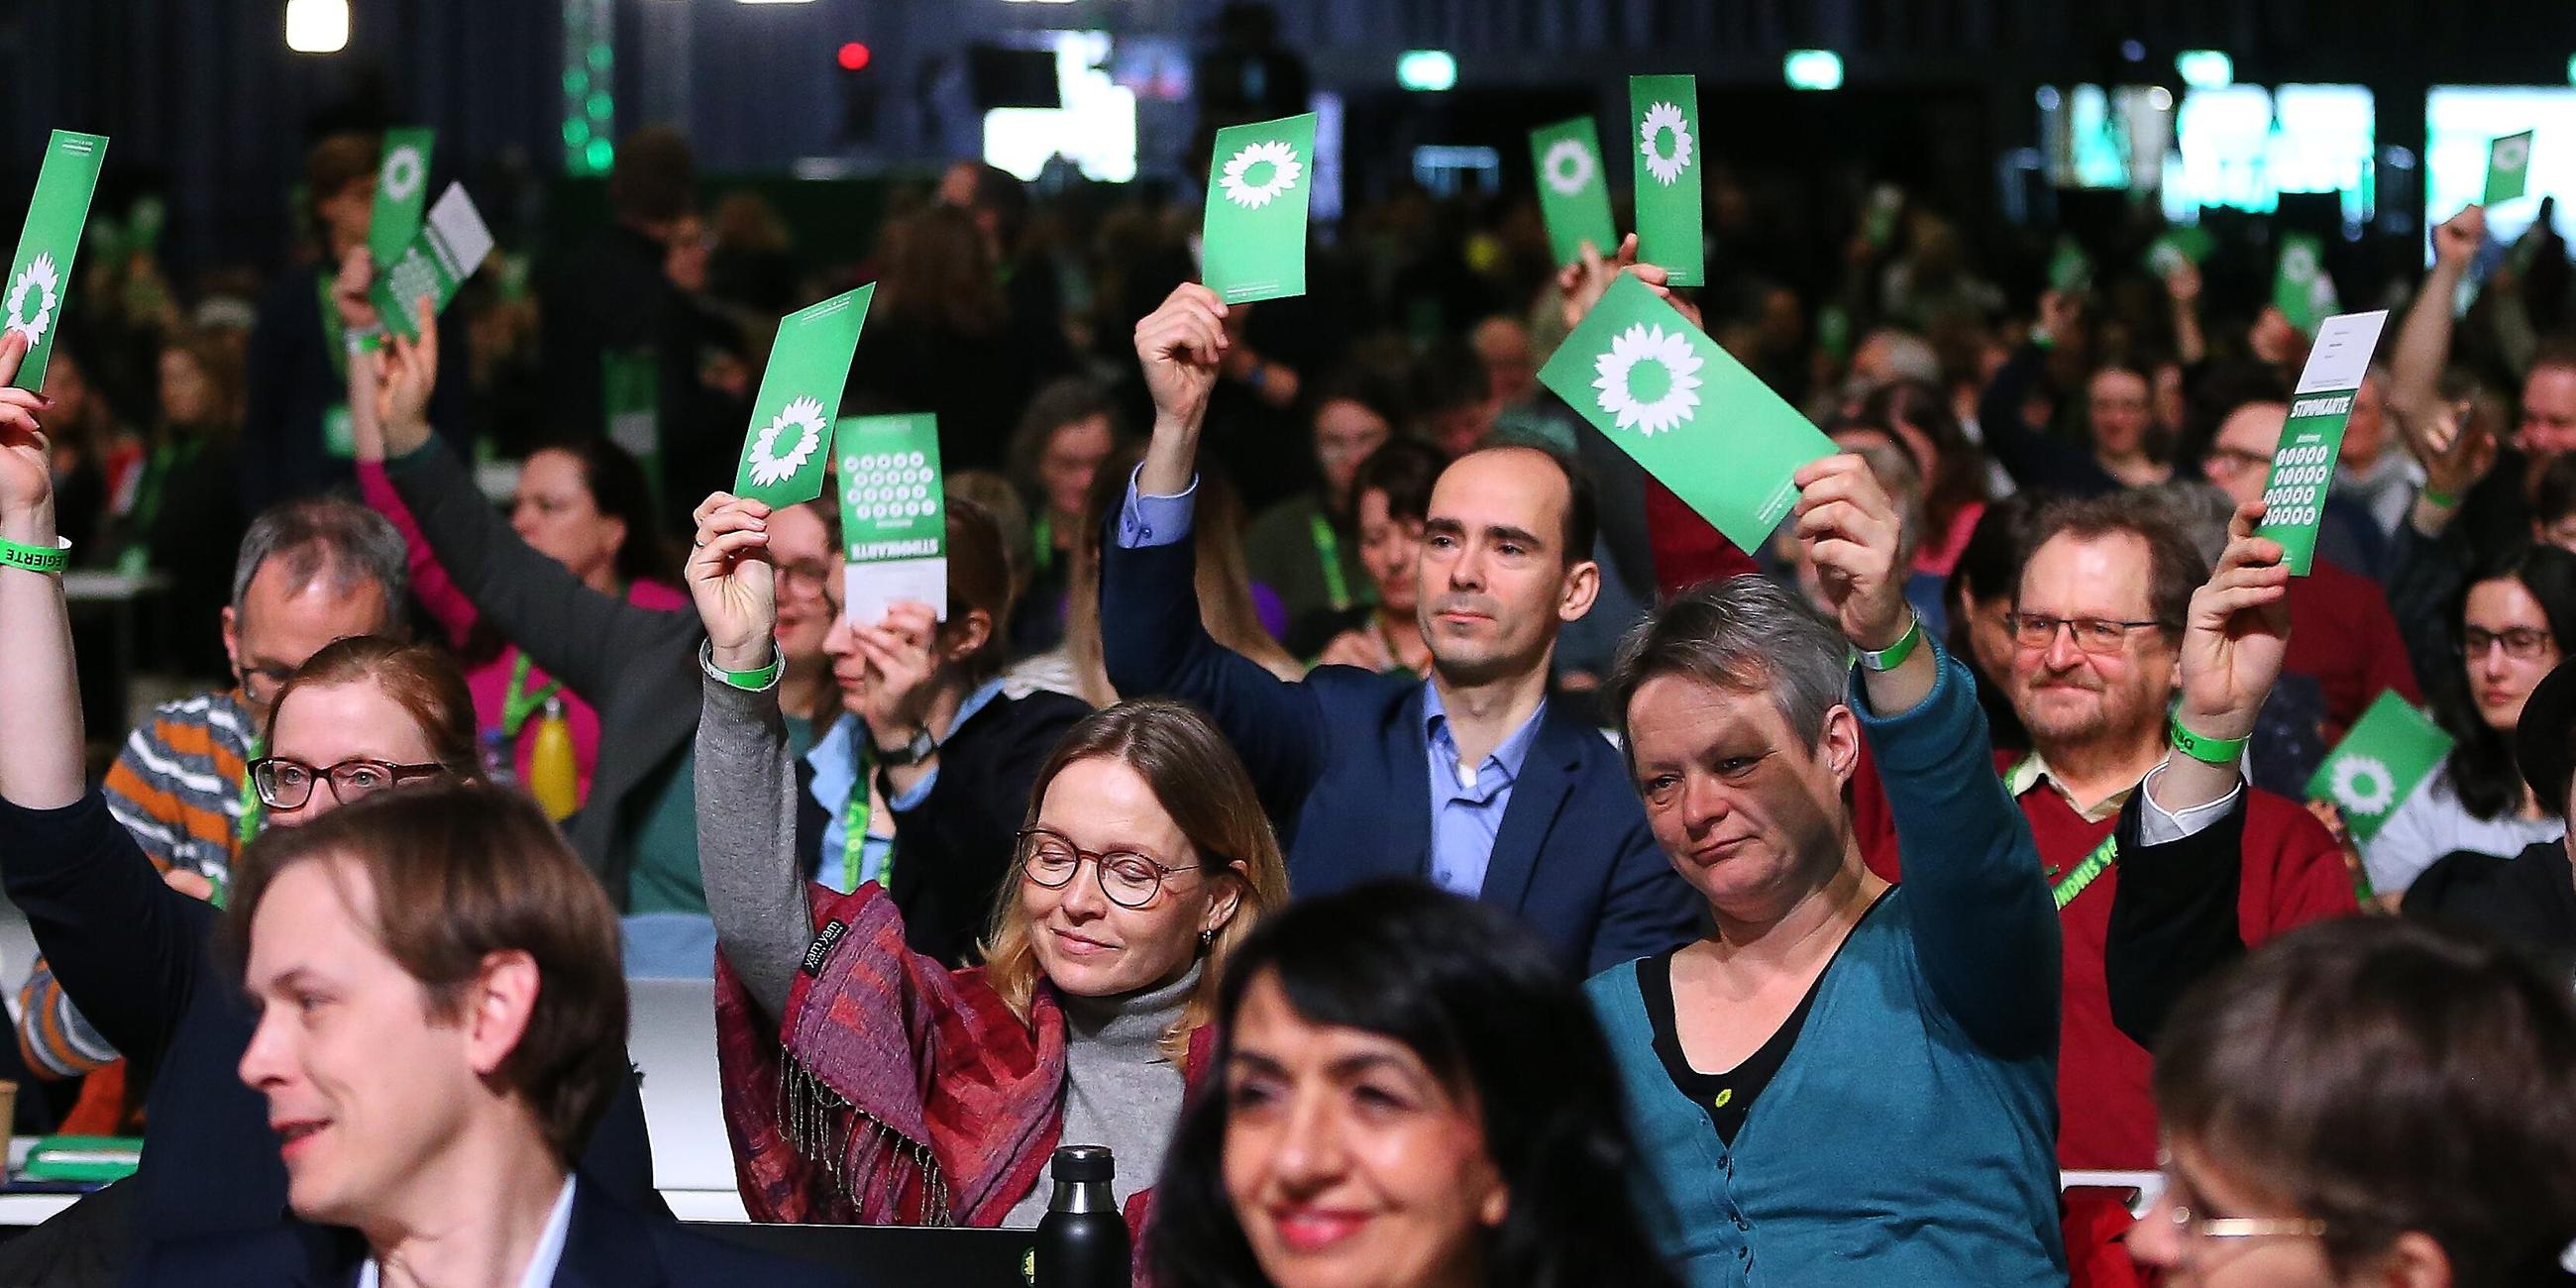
pixel 1470 779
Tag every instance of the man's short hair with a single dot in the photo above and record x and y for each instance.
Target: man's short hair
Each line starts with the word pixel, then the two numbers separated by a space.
pixel 1743 635
pixel 653 178
pixel 333 163
pixel 1582 504
pixel 331 537
pixel 2555 351
pixel 460 871
pixel 2174 566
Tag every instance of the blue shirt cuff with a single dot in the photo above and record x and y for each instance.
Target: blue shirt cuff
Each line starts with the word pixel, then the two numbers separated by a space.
pixel 1155 520
pixel 919 792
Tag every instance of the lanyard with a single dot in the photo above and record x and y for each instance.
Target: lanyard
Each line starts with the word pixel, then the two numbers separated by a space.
pixel 517 705
pixel 2078 878
pixel 1042 536
pixel 252 808
pixel 1328 552
pixel 854 818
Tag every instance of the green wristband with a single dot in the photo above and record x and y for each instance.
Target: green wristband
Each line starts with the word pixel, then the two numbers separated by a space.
pixel 2441 500
pixel 2214 751
pixel 1894 655
pixel 34 558
pixel 749 681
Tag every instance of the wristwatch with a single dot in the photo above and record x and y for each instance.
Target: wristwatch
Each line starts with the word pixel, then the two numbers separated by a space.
pixel 921 748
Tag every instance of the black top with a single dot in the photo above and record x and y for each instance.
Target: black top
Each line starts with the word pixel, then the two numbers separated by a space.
pixel 954 850
pixel 135 956
pixel 2529 899
pixel 1726 1097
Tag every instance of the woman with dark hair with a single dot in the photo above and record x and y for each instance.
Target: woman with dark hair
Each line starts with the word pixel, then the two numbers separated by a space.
pixel 1307 547
pixel 585 504
pixel 1982 584
pixel 1409 1094
pixel 1065 434
pixel 946 340
pixel 2368 1102
pixel 2514 619
pixel 1393 489
pixel 1952 467
pixel 187 518
pixel 2122 445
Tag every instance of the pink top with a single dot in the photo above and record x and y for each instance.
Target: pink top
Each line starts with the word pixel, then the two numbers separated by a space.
pixel 1938 552
pixel 488 661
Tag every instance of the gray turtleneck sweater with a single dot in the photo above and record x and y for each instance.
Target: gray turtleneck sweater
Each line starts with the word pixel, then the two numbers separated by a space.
pixel 1119 1090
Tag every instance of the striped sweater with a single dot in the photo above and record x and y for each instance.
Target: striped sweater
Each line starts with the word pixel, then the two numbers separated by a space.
pixel 177 787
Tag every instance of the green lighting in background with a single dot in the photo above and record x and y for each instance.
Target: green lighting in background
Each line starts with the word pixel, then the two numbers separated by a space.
pixel 2205 68
pixel 1426 70
pixel 1813 69
pixel 590 64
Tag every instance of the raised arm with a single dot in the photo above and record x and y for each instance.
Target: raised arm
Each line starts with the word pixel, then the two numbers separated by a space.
pixel 2424 338
pixel 429 581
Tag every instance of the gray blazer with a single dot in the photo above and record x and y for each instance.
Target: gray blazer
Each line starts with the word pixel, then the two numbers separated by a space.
pixel 638 667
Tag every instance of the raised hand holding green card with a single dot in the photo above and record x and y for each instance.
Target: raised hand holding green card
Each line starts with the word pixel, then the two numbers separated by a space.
pixel 2508 168
pixel 2301 287
pixel 402 188
pixel 2294 495
pixel 40 274
pixel 2388 754
pixel 1686 410
pixel 1253 240
pixel 788 448
pixel 894 516
pixel 1573 193
pixel 1664 135
pixel 451 244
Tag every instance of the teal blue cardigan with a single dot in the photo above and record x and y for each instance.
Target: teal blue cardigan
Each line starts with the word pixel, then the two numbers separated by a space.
pixel 1910 1138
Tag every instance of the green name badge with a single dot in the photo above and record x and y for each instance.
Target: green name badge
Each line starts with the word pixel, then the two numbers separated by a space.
pixel 40 274
pixel 2388 754
pixel 2303 466
pixel 1254 235
pixel 1573 193
pixel 402 189
pixel 451 244
pixel 1664 132
pixel 894 515
pixel 788 447
pixel 2508 167
pixel 1688 412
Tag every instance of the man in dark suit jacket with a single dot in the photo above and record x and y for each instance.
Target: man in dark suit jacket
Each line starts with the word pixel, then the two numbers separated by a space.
pixel 1472 779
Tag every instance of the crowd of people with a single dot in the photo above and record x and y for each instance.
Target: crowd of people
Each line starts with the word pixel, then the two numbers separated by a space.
pixel 1339 782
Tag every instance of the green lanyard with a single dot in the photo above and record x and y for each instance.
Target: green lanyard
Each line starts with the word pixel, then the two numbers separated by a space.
pixel 854 818
pixel 517 705
pixel 1042 537
pixel 251 807
pixel 1328 552
pixel 2064 889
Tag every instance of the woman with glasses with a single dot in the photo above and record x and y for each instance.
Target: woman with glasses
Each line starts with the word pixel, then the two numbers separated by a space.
pixel 2511 621
pixel 2368 1102
pixel 361 716
pixel 865 1082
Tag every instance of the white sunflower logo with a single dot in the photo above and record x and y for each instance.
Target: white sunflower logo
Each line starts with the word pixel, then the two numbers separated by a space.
pixel 1285 169
pixel 1671 393
pixel 403 173
pixel 769 465
pixel 2510 154
pixel 42 281
pixel 2363 785
pixel 1660 118
pixel 2299 262
pixel 1568 168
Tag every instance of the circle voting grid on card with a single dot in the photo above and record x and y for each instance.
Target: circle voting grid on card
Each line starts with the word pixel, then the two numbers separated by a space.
pixel 891 487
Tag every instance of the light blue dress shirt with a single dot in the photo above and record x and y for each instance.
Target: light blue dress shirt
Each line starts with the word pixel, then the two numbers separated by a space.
pixel 1467 801
pixel 835 762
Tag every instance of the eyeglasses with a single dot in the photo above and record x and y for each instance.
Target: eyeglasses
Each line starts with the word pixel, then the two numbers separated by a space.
pixel 807 577
pixel 288 784
pixel 2232 461
pixel 2521 643
pixel 2097 635
pixel 2195 1226
pixel 1129 879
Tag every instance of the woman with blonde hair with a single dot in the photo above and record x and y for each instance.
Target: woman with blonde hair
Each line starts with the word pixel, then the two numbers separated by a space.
pixel 865 1082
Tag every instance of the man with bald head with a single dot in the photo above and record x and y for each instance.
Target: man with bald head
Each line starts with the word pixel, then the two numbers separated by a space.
pixel 1469 778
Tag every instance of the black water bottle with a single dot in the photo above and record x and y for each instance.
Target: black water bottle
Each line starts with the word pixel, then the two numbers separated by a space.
pixel 1082 1242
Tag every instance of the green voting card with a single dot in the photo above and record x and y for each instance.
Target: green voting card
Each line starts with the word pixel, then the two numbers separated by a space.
pixel 451 244
pixel 2508 167
pixel 2389 752
pixel 1663 127
pixel 2179 245
pixel 40 274
pixel 894 515
pixel 2303 466
pixel 2300 285
pixel 1254 237
pixel 787 450
pixel 1686 410
pixel 402 187
pixel 1572 192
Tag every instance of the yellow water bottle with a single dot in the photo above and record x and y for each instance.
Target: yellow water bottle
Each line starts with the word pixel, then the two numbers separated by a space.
pixel 553 778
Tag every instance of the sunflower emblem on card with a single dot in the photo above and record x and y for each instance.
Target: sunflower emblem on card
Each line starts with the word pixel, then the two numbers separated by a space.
pixel 1261 173
pixel 1649 381
pixel 40 284
pixel 787 442
pixel 1666 166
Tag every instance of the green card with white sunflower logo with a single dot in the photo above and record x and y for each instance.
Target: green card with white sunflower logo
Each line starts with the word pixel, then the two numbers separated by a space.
pixel 1664 135
pixel 894 515
pixel 1686 410
pixel 789 445
pixel 450 246
pixel 2508 168
pixel 2388 754
pixel 1572 192
pixel 2301 287
pixel 402 189
pixel 40 274
pixel 1253 242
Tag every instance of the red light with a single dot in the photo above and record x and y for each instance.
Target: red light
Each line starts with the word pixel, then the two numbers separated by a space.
pixel 854 56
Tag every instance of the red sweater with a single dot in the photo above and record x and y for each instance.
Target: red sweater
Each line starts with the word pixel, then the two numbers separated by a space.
pixel 2349 642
